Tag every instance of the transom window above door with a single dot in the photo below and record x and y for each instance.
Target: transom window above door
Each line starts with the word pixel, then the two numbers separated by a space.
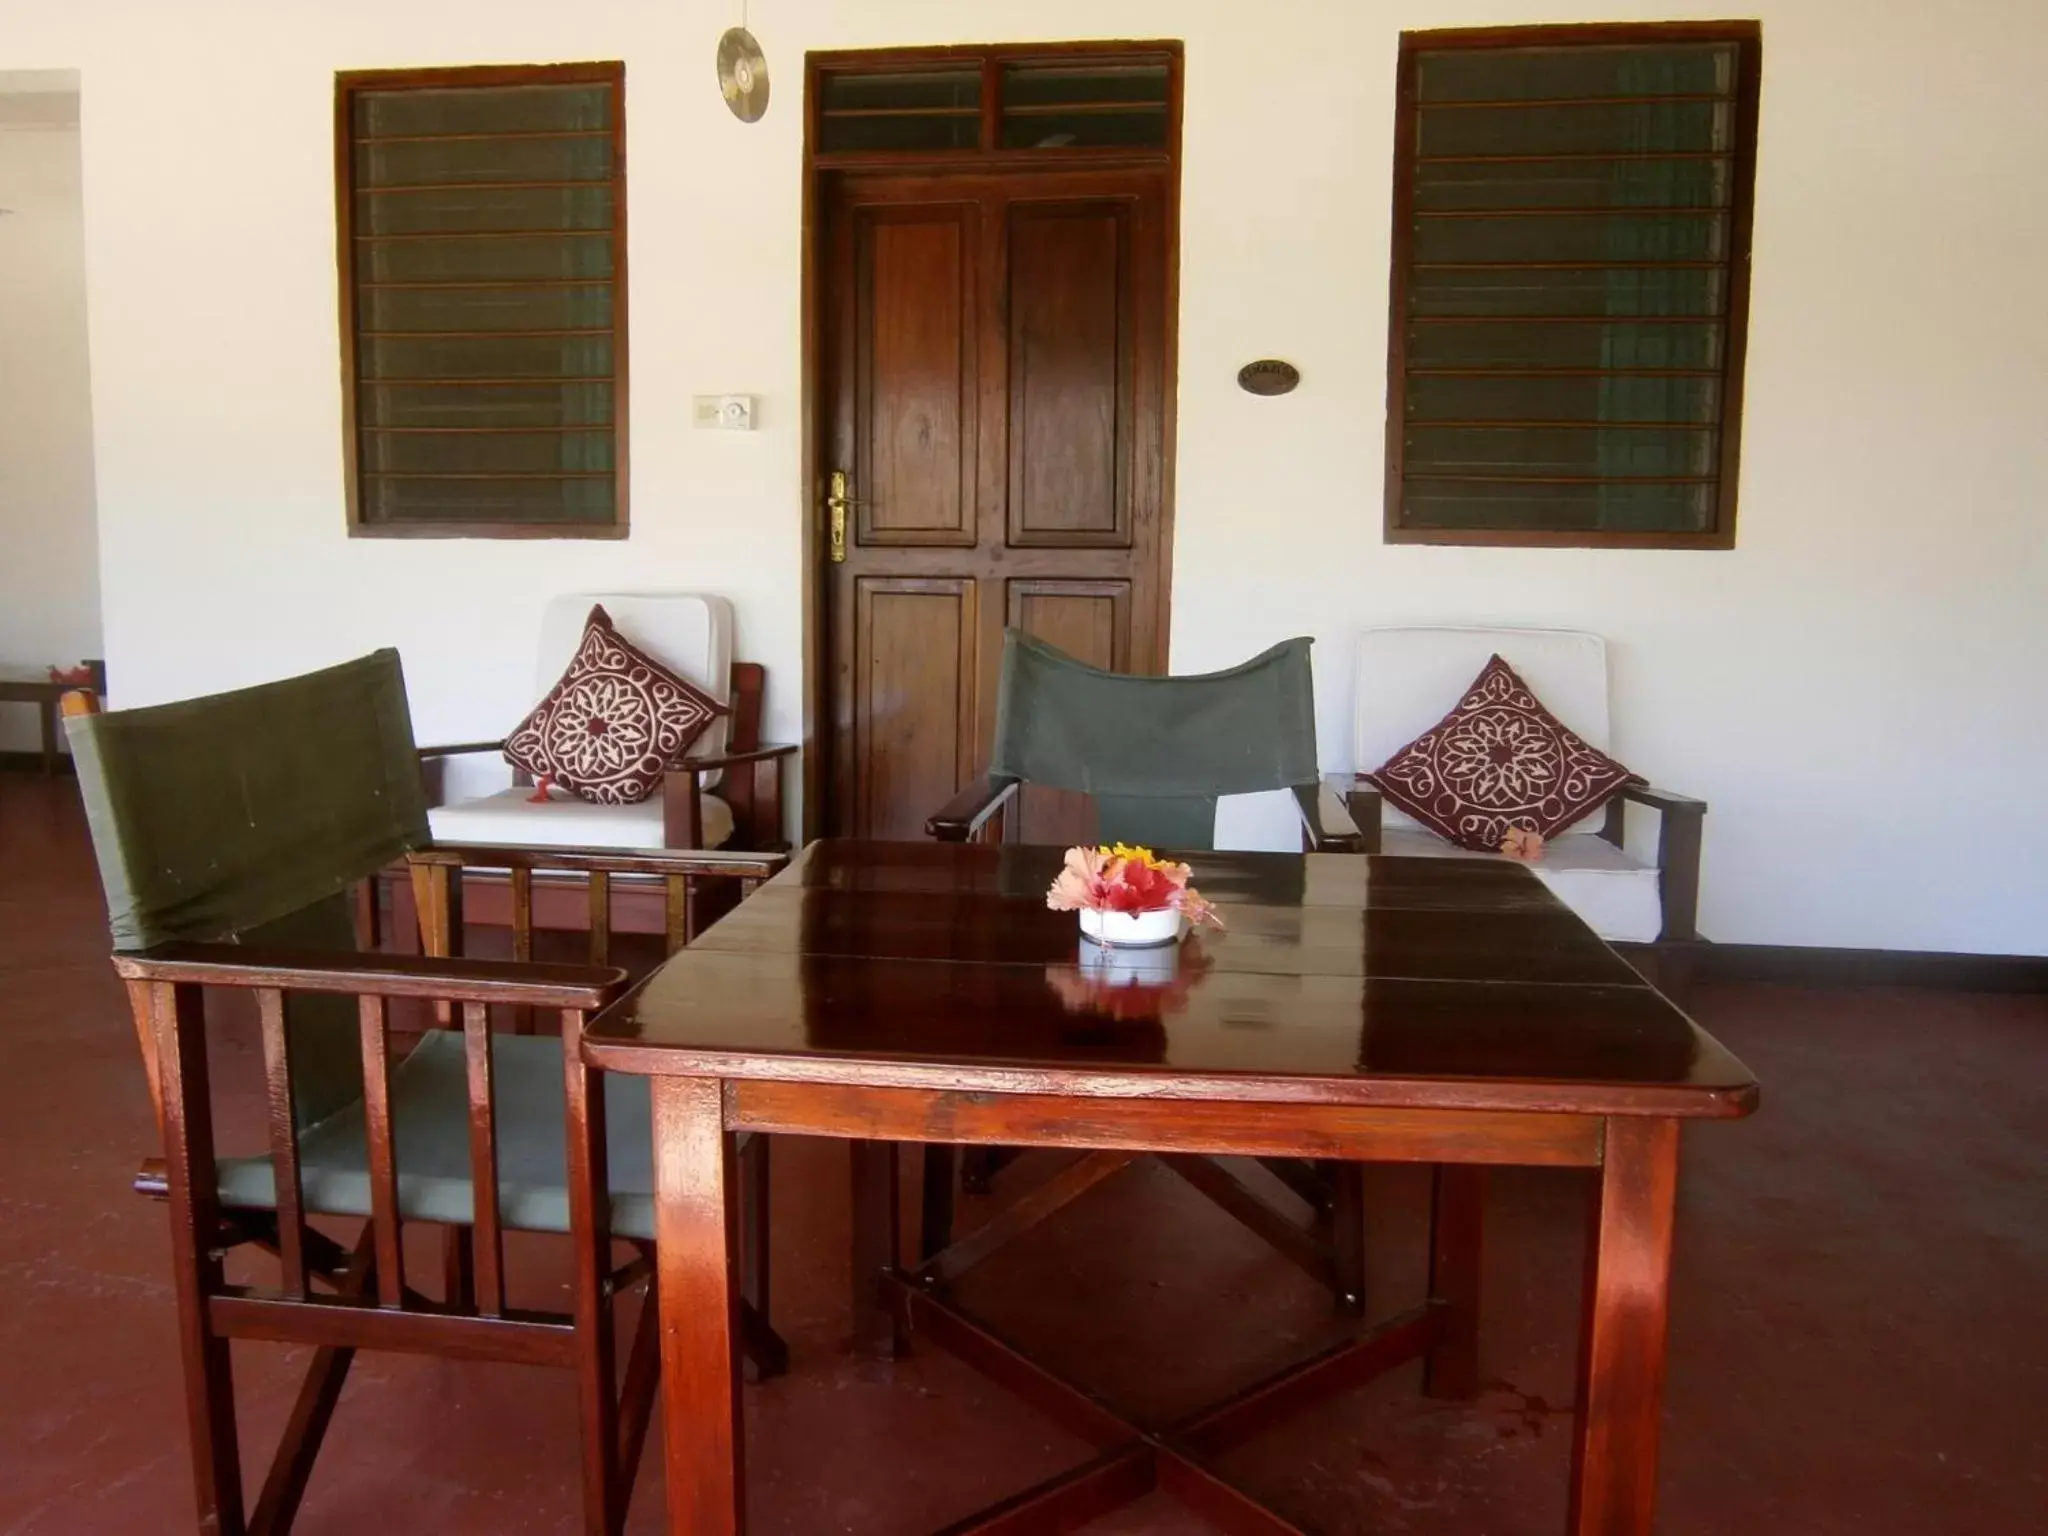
pixel 1570 284
pixel 481 216
pixel 1073 98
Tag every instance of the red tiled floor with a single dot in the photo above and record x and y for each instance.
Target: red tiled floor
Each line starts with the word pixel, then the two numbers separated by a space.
pixel 1859 1340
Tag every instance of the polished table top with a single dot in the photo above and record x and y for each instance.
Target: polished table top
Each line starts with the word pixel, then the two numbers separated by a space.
pixel 1340 978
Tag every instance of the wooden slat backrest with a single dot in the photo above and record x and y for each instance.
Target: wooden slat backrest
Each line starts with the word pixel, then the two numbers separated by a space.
pixel 383 1153
pixel 284 1141
pixel 488 1240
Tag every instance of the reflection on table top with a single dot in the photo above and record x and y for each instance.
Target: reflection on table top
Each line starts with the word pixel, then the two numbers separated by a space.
pixel 1338 978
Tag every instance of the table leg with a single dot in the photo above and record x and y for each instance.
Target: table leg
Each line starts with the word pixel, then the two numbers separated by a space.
pixel 1457 1232
pixel 1621 1340
pixel 48 709
pixel 696 1231
pixel 877 1222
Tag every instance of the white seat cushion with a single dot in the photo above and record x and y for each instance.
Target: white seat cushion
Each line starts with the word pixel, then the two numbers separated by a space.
pixel 1617 896
pixel 511 817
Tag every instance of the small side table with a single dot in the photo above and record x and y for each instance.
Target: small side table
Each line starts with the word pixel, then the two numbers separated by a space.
pixel 20 685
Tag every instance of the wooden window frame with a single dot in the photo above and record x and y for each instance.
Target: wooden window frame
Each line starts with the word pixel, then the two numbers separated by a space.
pixel 347 84
pixel 1748 35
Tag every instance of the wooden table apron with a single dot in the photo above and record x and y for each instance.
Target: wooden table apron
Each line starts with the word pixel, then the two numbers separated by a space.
pixel 1613 1476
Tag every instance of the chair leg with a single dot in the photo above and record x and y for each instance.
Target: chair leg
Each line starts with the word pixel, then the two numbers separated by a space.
pixel 278 1505
pixel 1457 1219
pixel 935 1217
pixel 604 1512
pixel 458 1268
pixel 978 1165
pixel 210 1422
pixel 1311 1181
pixel 636 1399
pixel 290 1469
pixel 755 1270
pixel 1347 1236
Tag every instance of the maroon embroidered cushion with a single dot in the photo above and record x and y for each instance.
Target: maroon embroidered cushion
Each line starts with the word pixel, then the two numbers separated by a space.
pixel 616 722
pixel 1499 760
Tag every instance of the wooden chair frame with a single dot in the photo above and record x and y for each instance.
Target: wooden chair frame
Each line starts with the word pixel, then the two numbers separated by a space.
pixel 370 1304
pixel 367 1301
pixel 1669 962
pixel 1325 1239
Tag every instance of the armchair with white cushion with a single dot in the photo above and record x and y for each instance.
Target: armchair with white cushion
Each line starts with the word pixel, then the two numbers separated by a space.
pixel 725 794
pixel 1409 676
pixel 727 791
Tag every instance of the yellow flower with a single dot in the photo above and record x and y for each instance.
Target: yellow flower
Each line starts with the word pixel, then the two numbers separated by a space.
pixel 1130 855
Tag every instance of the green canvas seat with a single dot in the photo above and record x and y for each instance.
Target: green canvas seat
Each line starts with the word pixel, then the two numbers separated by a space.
pixel 430 1116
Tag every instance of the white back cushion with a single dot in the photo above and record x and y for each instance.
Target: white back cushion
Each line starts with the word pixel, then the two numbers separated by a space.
pixel 1410 676
pixel 688 632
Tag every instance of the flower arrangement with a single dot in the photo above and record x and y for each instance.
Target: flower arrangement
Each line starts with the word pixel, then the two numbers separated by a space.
pixel 1130 892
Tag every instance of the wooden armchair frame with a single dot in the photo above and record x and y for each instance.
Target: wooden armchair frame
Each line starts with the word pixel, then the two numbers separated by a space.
pixel 753 776
pixel 366 1300
pixel 369 1304
pixel 1668 962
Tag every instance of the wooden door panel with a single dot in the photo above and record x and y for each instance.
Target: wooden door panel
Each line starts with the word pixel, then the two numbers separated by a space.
pixel 1090 621
pixel 997 386
pixel 915 335
pixel 1070 384
pixel 915 678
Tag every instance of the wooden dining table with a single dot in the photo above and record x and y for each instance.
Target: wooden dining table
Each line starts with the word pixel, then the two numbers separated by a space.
pixel 1446 1012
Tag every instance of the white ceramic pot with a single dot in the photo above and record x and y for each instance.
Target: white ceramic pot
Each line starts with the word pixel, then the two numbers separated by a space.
pixel 1132 930
pixel 1127 965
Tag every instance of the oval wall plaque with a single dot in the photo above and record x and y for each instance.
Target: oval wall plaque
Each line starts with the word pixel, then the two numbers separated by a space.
pixel 1268 376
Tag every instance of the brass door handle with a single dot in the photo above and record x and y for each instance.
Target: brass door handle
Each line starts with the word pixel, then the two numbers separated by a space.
pixel 836 503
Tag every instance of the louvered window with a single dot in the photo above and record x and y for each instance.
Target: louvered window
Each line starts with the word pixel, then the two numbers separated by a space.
pixel 482 225
pixel 1570 284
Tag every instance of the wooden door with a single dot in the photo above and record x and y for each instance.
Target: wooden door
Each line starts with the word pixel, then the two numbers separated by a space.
pixel 995 391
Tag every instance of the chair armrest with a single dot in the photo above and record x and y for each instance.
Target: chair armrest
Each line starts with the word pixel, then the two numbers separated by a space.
pixel 753 789
pixel 319 970
pixel 460 749
pixel 609 861
pixel 968 812
pixel 732 759
pixel 1680 822
pixel 1325 822
pixel 1664 800
pixel 1365 802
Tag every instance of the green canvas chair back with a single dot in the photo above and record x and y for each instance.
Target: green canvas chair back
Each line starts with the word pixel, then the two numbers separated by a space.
pixel 248 817
pixel 1156 752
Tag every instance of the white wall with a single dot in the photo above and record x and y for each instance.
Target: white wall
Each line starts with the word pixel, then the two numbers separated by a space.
pixel 1855 688
pixel 49 556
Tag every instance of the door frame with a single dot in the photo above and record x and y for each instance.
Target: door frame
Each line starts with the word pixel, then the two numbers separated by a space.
pixel 985 160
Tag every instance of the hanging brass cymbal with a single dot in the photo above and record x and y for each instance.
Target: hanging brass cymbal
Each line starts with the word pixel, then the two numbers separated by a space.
pixel 743 74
